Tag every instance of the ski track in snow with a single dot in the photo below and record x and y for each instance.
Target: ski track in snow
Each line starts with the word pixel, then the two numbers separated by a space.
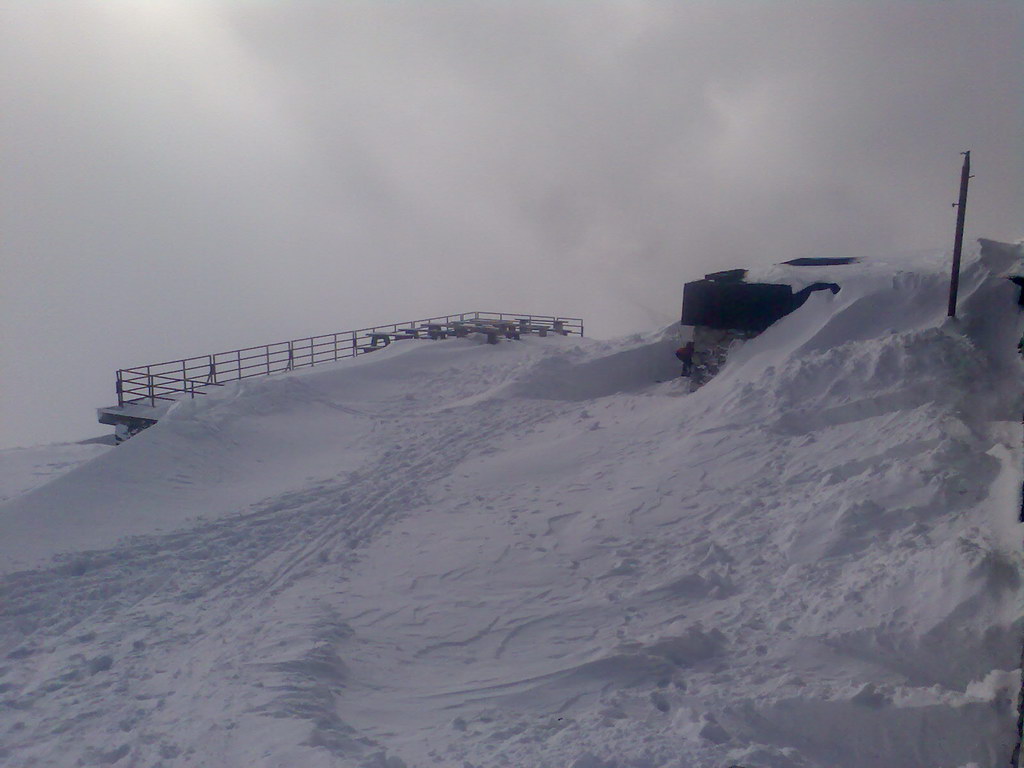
pixel 531 555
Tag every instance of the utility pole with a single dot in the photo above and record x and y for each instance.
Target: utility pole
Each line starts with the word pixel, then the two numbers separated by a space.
pixel 961 213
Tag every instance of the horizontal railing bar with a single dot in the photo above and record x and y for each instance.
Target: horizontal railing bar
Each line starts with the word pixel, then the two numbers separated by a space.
pixel 143 394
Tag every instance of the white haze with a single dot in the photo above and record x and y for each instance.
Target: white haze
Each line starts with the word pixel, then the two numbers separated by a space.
pixel 180 178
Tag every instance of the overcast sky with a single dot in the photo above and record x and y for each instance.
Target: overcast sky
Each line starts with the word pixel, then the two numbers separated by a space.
pixel 187 177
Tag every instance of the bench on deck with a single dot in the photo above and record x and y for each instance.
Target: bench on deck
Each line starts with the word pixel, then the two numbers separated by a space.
pixel 543 327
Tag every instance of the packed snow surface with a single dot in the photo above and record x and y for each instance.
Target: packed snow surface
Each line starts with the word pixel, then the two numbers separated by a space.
pixel 25 469
pixel 548 553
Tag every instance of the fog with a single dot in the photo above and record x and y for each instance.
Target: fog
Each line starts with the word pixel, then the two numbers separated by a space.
pixel 187 177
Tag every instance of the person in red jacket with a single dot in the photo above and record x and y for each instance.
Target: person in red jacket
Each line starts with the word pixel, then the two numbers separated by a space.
pixel 685 355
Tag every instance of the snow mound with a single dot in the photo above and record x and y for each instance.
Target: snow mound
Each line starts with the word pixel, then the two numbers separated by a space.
pixel 25 469
pixel 548 553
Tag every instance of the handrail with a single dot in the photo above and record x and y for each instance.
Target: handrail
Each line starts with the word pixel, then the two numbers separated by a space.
pixel 192 375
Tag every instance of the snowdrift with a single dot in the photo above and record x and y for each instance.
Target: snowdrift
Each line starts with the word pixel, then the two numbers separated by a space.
pixel 548 553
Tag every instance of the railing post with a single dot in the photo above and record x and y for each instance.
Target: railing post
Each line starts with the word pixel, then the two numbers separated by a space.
pixel 119 386
pixel 149 386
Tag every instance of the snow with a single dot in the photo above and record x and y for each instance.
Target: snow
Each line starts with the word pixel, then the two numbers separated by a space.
pixel 548 553
pixel 25 469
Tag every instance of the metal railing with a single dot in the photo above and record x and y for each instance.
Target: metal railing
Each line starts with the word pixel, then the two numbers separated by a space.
pixel 151 384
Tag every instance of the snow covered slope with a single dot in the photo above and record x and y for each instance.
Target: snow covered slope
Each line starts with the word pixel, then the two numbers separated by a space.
pixel 533 554
pixel 25 469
